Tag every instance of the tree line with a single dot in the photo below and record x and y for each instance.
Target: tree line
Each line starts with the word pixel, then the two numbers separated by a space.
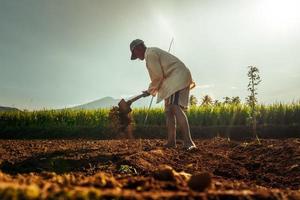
pixel 206 100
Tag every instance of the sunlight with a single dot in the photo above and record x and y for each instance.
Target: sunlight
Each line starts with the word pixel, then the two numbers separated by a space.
pixel 279 16
pixel 164 25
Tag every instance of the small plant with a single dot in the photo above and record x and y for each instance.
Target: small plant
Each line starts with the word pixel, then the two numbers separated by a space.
pixel 254 80
pixel 126 169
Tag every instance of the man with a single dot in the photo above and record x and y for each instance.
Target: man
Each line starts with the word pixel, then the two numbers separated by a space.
pixel 171 81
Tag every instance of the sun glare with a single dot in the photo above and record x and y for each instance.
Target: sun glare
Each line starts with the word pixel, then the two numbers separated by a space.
pixel 279 15
pixel 164 25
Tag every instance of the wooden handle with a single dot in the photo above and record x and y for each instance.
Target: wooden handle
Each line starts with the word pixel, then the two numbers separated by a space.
pixel 130 101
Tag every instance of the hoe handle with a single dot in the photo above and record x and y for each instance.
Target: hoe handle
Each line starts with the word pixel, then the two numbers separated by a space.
pixel 130 101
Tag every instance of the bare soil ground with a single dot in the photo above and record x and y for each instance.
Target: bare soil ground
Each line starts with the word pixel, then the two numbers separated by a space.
pixel 129 169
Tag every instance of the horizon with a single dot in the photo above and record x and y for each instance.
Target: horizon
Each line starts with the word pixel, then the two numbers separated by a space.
pixel 145 104
pixel 55 54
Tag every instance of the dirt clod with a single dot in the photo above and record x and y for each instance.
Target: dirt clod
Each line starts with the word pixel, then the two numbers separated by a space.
pixel 165 173
pixel 200 181
pixel 100 180
pixel 121 124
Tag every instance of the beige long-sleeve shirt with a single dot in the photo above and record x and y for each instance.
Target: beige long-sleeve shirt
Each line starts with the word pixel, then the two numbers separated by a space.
pixel 167 73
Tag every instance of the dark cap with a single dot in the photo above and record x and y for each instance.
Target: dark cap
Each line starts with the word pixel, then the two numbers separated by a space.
pixel 133 44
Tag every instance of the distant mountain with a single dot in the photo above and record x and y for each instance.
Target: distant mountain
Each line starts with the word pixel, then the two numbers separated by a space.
pixel 108 102
pixel 6 109
pixel 105 102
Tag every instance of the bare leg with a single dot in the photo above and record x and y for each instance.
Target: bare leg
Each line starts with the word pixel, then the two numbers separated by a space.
pixel 171 126
pixel 183 123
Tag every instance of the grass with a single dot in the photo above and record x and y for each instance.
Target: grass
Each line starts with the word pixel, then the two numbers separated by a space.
pixel 228 115
pixel 75 121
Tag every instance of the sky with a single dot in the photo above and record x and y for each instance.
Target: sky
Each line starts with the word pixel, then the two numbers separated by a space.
pixel 59 53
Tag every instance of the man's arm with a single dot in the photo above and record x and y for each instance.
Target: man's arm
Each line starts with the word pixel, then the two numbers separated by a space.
pixel 155 72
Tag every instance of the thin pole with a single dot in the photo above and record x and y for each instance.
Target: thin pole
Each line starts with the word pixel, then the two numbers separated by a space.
pixel 148 110
pixel 171 44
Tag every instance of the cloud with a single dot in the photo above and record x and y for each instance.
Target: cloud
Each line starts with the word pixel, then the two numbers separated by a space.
pixel 205 86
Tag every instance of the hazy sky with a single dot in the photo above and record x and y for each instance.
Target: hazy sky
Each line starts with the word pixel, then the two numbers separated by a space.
pixel 56 53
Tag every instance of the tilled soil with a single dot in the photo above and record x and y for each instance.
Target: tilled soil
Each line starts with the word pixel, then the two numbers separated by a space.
pixel 129 169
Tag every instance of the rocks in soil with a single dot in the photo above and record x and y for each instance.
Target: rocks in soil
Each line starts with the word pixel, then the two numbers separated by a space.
pixel 184 176
pixel 165 173
pixel 100 180
pixel 200 181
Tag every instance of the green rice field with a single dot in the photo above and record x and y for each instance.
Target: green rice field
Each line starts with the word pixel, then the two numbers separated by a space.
pixel 224 115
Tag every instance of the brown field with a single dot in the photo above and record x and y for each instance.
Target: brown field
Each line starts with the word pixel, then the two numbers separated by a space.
pixel 129 169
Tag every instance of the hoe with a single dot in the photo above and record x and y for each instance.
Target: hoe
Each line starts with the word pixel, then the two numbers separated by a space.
pixel 124 106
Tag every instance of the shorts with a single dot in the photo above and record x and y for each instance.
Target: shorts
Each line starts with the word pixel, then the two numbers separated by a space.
pixel 180 98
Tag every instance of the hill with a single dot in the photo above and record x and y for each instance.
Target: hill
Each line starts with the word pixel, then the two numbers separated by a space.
pixel 108 102
pixel 3 108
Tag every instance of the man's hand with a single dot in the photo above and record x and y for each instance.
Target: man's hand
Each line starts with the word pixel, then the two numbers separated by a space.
pixel 146 93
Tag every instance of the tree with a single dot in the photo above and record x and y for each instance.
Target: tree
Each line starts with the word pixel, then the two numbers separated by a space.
pixel 206 100
pixel 193 100
pixel 227 100
pixel 254 80
pixel 235 100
